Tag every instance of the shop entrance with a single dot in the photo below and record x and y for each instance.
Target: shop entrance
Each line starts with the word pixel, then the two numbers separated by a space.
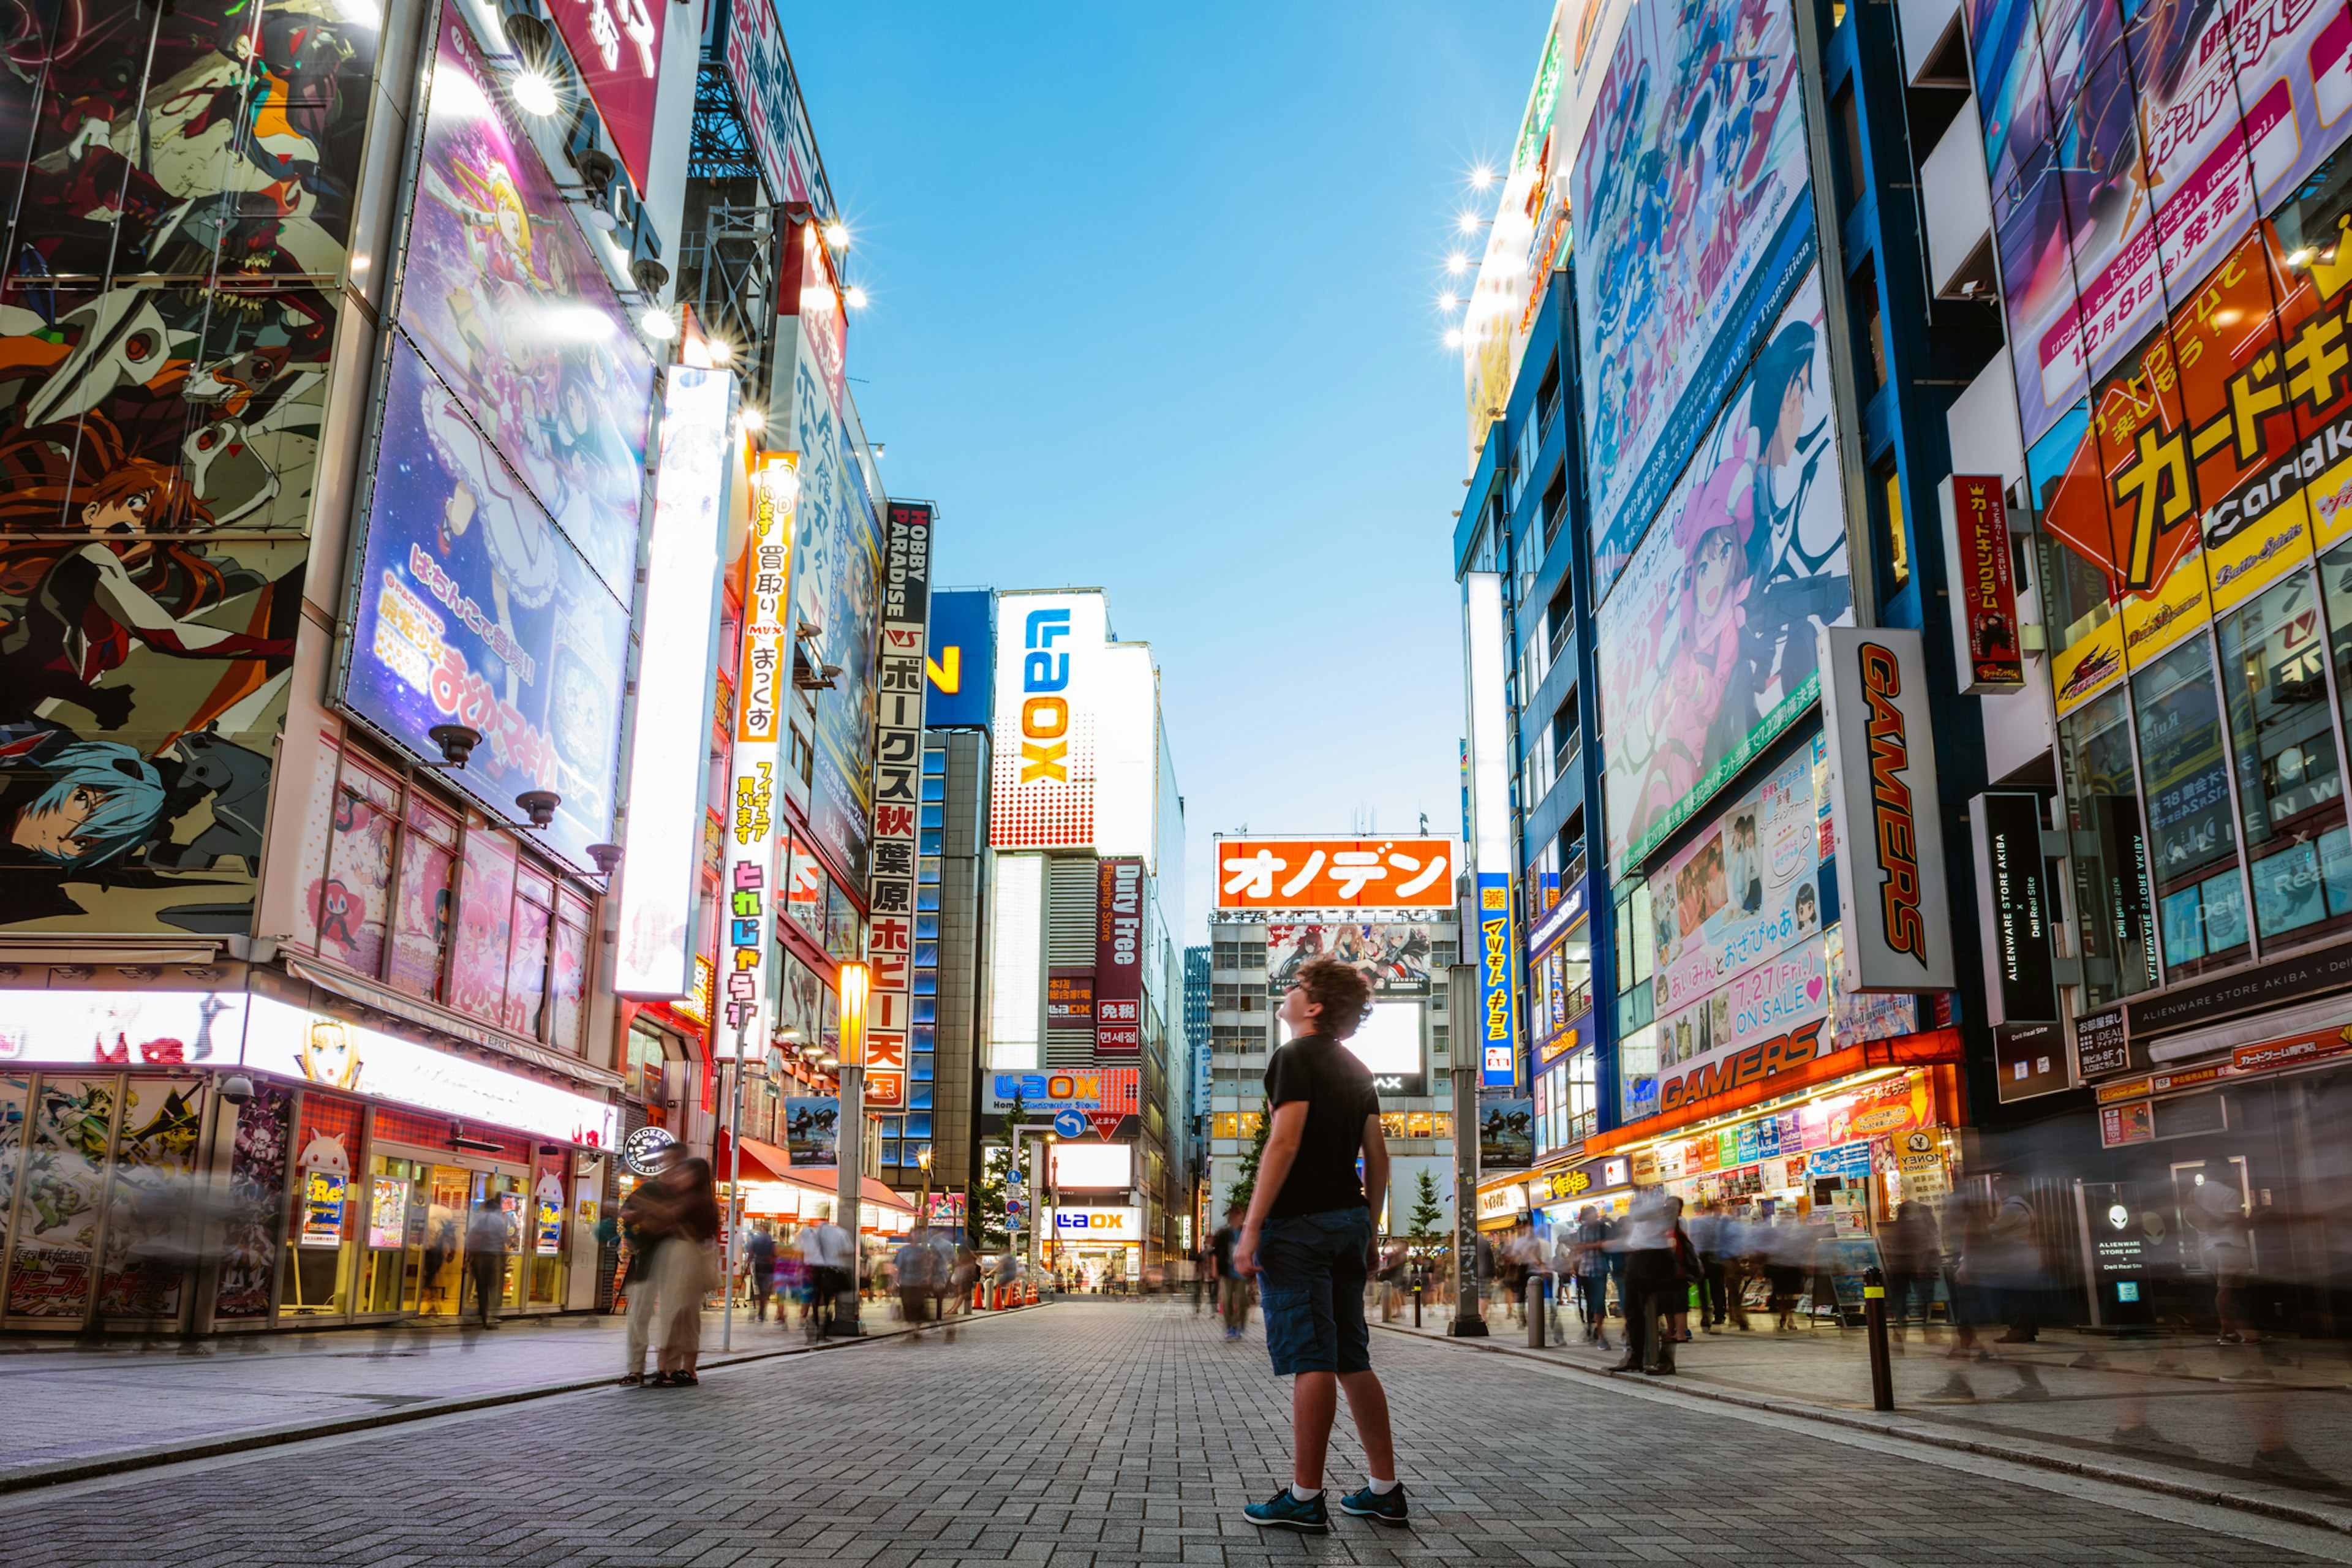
pixel 421 1214
pixel 1099 1271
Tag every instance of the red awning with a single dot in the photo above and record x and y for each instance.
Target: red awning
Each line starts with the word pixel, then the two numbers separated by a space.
pixel 761 1162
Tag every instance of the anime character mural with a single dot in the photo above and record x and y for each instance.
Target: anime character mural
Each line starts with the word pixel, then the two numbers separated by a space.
pixel 1708 640
pixel 180 181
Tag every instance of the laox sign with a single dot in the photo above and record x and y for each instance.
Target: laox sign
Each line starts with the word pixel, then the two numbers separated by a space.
pixel 1045 717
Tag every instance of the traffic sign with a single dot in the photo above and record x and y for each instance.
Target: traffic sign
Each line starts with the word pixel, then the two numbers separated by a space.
pixel 1071 1124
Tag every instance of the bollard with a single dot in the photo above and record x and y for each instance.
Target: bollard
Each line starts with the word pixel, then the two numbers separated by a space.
pixel 1874 1321
pixel 1416 1303
pixel 1534 1312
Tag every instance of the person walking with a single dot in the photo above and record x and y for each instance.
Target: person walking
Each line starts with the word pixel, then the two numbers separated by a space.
pixel 486 1256
pixel 1588 1262
pixel 913 1273
pixel 686 1268
pixel 1232 1290
pixel 1652 1277
pixel 645 1226
pixel 759 1262
pixel 1308 1233
pixel 1913 1252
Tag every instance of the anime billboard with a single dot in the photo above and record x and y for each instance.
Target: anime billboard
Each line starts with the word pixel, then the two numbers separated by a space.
pixel 1745 891
pixel 1393 958
pixel 1706 646
pixel 1689 189
pixel 512 310
pixel 2128 159
pixel 472 609
pixel 836 586
pixel 181 184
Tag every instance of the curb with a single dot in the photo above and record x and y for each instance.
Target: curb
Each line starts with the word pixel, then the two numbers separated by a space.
pixel 36 1477
pixel 2337 1523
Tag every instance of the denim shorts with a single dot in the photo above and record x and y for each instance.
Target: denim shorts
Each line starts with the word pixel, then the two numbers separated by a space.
pixel 1311 1274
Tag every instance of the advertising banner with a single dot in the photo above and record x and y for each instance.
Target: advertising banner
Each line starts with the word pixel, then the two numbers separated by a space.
pixel 2126 162
pixel 1689 188
pixel 1887 810
pixel 1744 892
pixel 760 69
pixel 1069 998
pixel 1118 955
pixel 1986 651
pixel 661 854
pixel 160 432
pixel 1043 793
pixel 288 1040
pixel 1507 1132
pixel 1393 958
pixel 753 809
pixel 2013 903
pixel 962 660
pixel 813 1131
pixel 1335 873
pixel 616 46
pixel 898 798
pixel 1498 1031
pixel 516 316
pixel 1087 1227
pixel 1706 644
pixel 1530 221
pixel 1112 1089
pixel 445 631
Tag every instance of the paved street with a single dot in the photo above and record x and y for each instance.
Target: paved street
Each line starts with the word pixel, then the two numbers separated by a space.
pixel 1103 1434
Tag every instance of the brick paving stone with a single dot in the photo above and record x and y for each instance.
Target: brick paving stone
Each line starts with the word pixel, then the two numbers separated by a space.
pixel 1090 1436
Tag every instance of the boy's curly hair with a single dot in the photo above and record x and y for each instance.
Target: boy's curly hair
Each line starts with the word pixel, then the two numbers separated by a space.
pixel 1342 992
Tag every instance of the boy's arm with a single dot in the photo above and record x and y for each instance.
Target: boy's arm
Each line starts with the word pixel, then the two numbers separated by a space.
pixel 1283 1136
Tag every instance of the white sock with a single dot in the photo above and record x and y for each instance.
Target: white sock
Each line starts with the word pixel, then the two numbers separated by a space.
pixel 1304 1494
pixel 1383 1488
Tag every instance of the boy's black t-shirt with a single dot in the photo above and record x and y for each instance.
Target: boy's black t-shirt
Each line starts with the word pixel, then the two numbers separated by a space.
pixel 1338 1093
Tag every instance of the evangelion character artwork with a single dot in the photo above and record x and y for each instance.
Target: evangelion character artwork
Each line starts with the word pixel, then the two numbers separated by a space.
pixel 515 314
pixel 181 184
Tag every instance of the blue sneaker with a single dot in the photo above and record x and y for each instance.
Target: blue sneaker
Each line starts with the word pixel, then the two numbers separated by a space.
pixel 1381 1509
pixel 1283 1511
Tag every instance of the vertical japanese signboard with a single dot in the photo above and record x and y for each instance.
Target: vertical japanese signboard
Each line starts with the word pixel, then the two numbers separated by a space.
pixel 2013 902
pixel 1984 584
pixel 748 869
pixel 1118 955
pixel 898 796
pixel 1498 1054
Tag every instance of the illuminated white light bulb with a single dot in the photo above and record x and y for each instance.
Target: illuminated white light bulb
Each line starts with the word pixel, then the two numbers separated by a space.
pixel 534 94
pixel 656 323
pixel 1457 264
pixel 856 298
pixel 1454 337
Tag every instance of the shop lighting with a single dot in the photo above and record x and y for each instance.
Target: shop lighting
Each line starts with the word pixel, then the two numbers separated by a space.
pixel 534 94
pixel 1449 301
pixel 857 981
pixel 1481 178
pixel 754 421
pixel 837 235
pixel 656 323
pixel 854 297
pixel 2299 257
pixel 1457 264
pixel 1468 223
pixel 1843 1088
pixel 1452 337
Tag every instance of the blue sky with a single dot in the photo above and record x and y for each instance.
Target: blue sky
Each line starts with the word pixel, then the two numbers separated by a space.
pixel 1154 309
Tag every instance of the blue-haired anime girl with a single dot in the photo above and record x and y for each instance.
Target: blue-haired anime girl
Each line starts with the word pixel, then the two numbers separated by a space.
pixel 75 806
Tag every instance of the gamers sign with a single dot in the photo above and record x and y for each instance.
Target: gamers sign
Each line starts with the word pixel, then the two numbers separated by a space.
pixel 1886 809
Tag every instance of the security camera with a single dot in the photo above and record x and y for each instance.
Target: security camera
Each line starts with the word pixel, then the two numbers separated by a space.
pixel 538 804
pixel 236 1088
pixel 456 742
pixel 607 857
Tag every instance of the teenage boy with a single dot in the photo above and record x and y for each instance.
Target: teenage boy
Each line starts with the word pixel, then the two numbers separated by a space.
pixel 1309 1236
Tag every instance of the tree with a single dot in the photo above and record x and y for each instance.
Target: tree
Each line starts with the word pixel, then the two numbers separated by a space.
pixel 1425 1212
pixel 988 1199
pixel 1245 1185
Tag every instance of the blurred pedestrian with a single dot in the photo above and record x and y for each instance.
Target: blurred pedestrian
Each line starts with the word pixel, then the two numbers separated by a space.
pixel 1309 1230
pixel 1914 1254
pixel 912 1271
pixel 1687 1277
pixel 1232 1290
pixel 759 1262
pixel 825 1255
pixel 1590 1265
pixel 1648 1240
pixel 646 1223
pixel 1788 1251
pixel 2014 1267
pixel 686 1269
pixel 486 1256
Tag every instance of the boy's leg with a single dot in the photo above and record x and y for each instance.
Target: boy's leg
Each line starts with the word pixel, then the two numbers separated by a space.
pixel 1314 1404
pixel 1367 1401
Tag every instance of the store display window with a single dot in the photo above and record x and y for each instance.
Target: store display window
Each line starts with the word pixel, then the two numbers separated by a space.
pixel 321 1233
pixel 399 1200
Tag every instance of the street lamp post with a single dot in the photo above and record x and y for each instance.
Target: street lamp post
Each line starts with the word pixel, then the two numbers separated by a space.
pixel 855 983
pixel 923 1209
pixel 734 1189
pixel 1469 1310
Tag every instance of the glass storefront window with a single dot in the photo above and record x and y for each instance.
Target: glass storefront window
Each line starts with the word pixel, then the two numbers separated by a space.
pixel 527 966
pixel 2192 847
pixel 421 934
pixel 397 1204
pixel 440 1241
pixel 2290 786
pixel 2110 857
pixel 322 1237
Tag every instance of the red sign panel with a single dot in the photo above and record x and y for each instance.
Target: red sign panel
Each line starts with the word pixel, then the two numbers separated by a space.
pixel 1335 873
pixel 1118 955
pixel 1105 1123
pixel 1984 587
pixel 617 44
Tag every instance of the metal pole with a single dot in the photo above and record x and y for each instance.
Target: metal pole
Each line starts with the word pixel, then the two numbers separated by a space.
pixel 850 1188
pixel 734 1190
pixel 1461 1002
pixel 1874 1327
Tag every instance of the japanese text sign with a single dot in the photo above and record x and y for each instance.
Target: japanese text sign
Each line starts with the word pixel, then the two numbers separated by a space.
pixel 616 45
pixel 1984 585
pixel 753 810
pixel 1335 873
pixel 898 797
pixel 1498 959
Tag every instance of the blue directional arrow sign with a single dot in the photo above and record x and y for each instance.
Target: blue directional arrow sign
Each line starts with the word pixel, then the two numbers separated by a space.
pixel 1071 1124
